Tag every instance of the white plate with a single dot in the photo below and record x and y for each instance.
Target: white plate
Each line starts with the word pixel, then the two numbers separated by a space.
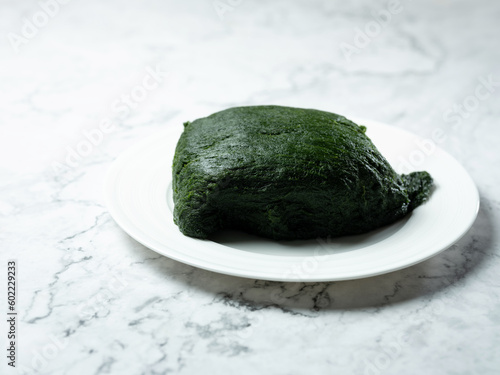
pixel 139 197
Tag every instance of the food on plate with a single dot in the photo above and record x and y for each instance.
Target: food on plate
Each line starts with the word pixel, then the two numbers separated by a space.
pixel 286 173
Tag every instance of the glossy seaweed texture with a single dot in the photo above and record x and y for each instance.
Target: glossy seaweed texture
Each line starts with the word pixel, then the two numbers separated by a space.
pixel 286 173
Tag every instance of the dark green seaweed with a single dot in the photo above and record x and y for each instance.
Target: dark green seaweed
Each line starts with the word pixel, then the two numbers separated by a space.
pixel 286 173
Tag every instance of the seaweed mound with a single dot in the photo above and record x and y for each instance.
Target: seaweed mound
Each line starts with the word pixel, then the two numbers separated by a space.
pixel 286 173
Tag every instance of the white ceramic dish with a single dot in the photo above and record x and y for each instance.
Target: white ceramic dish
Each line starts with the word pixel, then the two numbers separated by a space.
pixel 139 198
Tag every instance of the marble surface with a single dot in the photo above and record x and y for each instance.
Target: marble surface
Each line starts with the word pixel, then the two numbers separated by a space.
pixel 94 301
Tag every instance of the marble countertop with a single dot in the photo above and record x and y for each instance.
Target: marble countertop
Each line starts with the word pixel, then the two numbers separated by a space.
pixel 84 80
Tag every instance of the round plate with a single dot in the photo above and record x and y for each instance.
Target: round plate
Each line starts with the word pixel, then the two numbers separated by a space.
pixel 139 197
